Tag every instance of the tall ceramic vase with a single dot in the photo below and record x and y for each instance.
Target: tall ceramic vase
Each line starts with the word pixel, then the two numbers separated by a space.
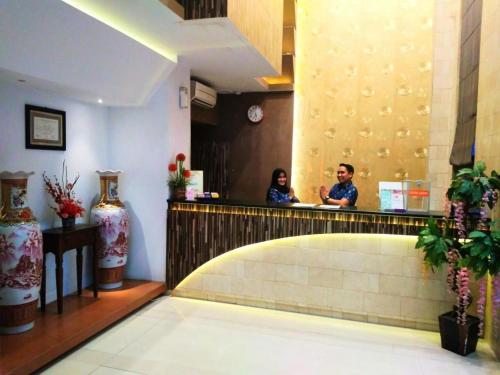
pixel 113 217
pixel 20 256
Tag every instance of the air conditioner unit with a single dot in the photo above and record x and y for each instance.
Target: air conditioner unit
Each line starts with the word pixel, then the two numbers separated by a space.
pixel 203 95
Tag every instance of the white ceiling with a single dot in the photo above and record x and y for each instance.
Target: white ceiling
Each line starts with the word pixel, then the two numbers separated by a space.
pixel 214 48
pixel 119 50
pixel 52 45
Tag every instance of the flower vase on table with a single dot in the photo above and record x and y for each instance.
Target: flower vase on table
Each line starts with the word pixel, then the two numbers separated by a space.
pixel 67 207
pixel 21 256
pixel 114 231
pixel 179 177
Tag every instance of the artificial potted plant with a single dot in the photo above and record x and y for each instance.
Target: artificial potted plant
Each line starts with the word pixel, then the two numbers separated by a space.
pixel 68 207
pixel 469 243
pixel 179 177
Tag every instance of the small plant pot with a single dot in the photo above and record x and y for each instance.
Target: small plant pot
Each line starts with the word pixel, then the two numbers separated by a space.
pixel 68 223
pixel 457 338
pixel 179 193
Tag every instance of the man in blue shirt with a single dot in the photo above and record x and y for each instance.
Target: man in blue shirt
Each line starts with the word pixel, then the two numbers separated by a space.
pixel 344 193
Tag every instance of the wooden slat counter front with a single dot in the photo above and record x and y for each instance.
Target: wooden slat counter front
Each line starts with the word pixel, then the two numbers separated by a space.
pixel 200 231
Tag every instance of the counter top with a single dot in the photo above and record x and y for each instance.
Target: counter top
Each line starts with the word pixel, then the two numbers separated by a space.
pixel 198 231
pixel 316 207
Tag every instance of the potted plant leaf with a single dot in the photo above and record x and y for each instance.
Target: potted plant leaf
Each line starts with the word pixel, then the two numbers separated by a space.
pixel 468 242
pixel 179 177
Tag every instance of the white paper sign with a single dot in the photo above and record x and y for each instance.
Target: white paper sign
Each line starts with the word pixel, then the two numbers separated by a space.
pixel 391 195
pixel 195 185
pixel 303 204
pixel 329 206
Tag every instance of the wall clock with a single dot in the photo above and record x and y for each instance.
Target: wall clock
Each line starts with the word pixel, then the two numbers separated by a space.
pixel 255 113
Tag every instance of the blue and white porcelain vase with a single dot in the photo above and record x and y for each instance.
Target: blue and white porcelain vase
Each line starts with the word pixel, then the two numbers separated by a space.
pixel 21 256
pixel 114 231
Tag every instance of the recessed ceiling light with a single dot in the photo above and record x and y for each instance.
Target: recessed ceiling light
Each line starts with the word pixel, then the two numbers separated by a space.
pixel 99 101
pixel 21 80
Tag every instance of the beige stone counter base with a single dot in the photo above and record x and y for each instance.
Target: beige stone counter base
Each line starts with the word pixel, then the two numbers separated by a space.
pixel 372 278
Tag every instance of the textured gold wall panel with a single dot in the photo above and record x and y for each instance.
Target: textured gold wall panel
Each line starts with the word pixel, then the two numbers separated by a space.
pixel 363 93
pixel 261 21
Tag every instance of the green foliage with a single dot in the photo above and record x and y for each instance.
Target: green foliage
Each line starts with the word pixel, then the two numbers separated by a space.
pixel 470 184
pixel 177 180
pixel 434 244
pixel 482 253
pixel 480 250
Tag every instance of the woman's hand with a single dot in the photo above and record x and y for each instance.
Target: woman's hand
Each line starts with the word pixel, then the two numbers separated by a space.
pixel 291 193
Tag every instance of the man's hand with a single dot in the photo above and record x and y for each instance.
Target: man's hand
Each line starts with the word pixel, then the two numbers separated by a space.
pixel 323 192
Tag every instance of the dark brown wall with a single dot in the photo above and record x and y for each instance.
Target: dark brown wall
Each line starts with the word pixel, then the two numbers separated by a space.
pixel 255 149
pixel 468 83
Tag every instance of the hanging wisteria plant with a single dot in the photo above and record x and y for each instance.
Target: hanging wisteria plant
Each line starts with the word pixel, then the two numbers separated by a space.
pixel 468 242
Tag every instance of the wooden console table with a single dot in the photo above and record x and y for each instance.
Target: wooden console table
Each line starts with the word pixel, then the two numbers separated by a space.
pixel 58 241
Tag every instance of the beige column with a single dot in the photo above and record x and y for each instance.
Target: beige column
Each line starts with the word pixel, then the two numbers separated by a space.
pixel 488 118
pixel 444 97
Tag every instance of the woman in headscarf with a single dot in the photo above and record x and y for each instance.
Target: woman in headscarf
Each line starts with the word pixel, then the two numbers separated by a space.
pixel 278 191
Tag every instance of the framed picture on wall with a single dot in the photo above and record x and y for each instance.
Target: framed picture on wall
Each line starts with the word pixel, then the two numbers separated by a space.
pixel 45 128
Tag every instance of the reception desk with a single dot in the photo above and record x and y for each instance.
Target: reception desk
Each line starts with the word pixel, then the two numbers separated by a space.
pixel 349 263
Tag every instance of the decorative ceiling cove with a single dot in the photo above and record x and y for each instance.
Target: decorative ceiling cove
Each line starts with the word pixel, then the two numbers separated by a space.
pixel 363 93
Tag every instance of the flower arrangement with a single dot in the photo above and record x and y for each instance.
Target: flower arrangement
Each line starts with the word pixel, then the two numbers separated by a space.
pixel 468 242
pixel 179 176
pixel 67 206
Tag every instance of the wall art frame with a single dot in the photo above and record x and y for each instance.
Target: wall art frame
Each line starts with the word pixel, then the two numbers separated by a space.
pixel 45 128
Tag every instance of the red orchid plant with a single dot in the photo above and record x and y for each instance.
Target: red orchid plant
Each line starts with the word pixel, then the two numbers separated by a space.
pixel 179 176
pixel 64 197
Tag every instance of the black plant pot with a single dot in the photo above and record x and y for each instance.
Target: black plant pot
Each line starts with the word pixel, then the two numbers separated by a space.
pixel 68 223
pixel 460 339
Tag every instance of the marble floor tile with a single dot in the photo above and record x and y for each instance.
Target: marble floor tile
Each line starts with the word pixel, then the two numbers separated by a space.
pixel 68 366
pixel 111 371
pixel 89 356
pixel 183 336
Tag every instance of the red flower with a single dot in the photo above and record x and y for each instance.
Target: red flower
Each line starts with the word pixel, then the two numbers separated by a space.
pixel 64 196
pixel 178 175
pixel 69 208
pixel 25 215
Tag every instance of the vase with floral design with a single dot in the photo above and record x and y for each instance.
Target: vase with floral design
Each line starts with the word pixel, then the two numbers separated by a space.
pixel 113 217
pixel 21 256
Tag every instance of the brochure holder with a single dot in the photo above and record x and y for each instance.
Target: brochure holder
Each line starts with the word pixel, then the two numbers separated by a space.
pixel 417 195
pixel 391 196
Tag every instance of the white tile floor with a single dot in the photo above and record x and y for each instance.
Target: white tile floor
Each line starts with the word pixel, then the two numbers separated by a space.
pixel 183 336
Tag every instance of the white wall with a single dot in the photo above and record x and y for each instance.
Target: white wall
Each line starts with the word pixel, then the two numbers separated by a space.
pixel 142 143
pixel 86 144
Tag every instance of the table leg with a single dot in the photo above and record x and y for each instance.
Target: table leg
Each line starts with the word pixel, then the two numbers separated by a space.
pixel 43 286
pixel 59 283
pixel 95 264
pixel 79 269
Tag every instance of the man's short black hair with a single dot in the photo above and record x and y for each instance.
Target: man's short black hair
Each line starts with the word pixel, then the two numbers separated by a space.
pixel 349 167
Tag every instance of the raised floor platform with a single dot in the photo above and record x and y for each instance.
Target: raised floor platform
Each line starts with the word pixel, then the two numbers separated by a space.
pixel 83 317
